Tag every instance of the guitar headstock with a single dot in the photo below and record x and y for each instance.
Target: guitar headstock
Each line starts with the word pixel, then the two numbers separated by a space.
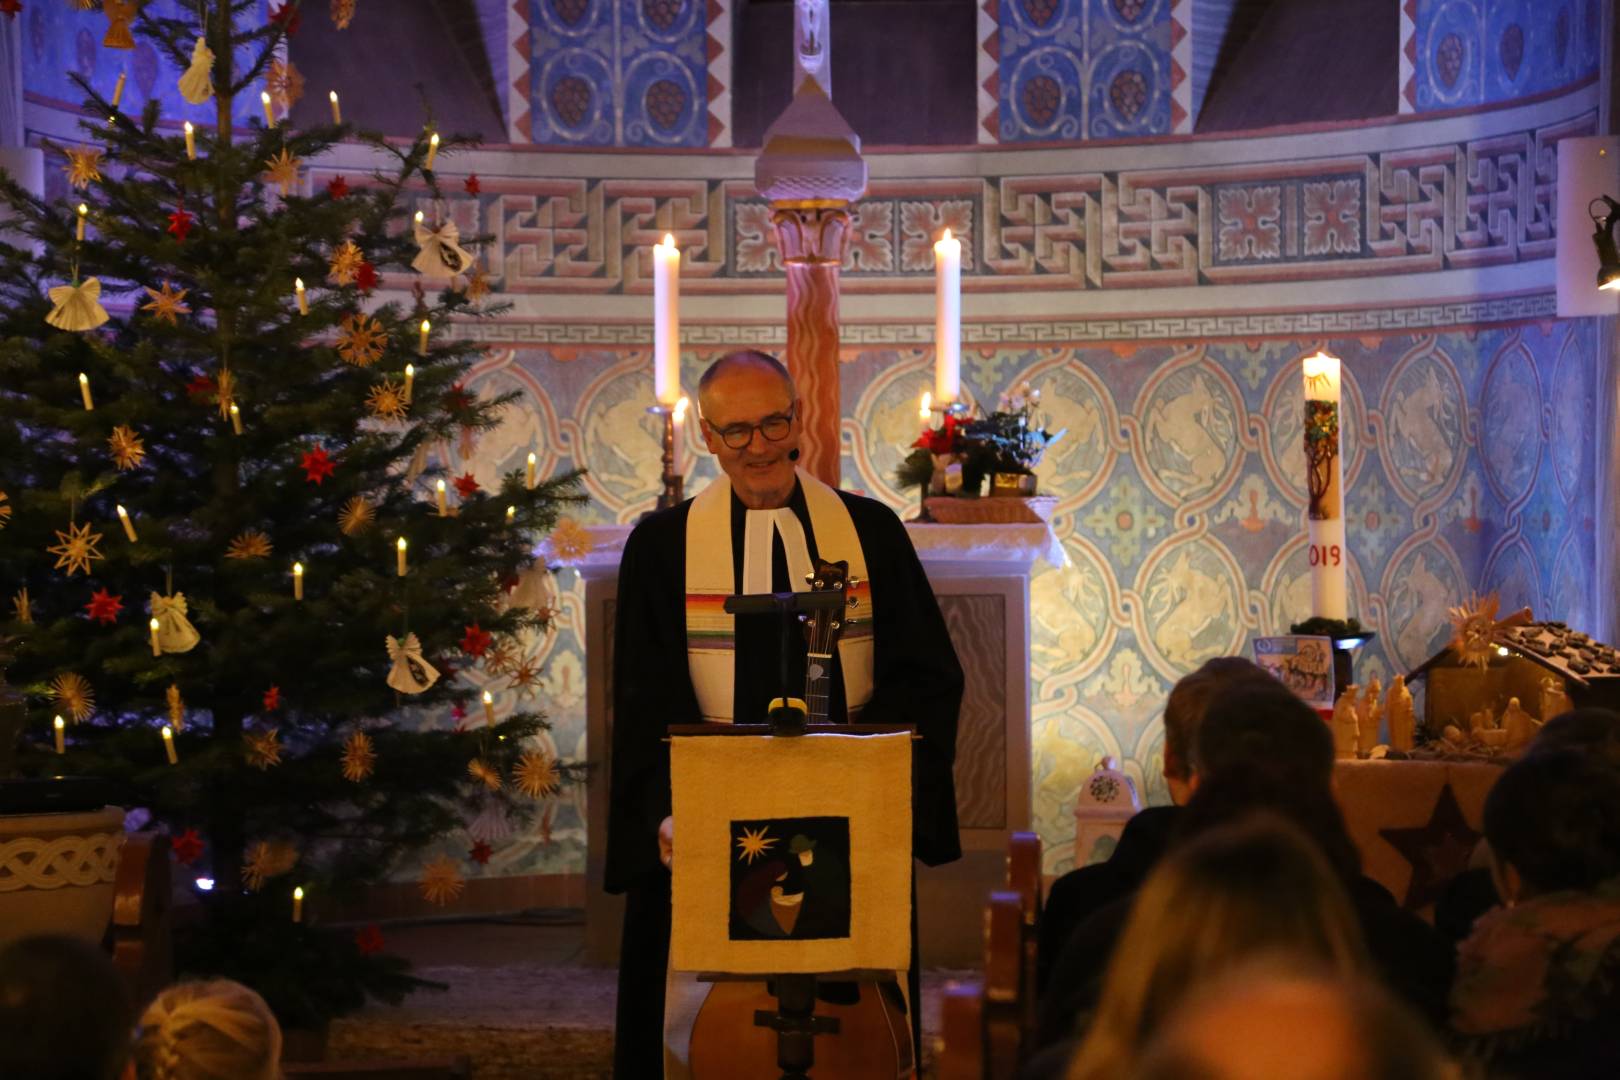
pixel 822 627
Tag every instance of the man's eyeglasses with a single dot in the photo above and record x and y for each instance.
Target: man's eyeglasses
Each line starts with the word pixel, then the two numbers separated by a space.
pixel 775 428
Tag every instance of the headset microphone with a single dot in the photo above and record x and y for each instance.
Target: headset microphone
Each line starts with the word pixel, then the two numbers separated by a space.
pixel 793 455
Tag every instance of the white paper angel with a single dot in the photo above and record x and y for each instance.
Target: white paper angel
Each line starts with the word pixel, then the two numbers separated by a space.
pixel 442 255
pixel 411 674
pixel 175 632
pixel 78 307
pixel 197 84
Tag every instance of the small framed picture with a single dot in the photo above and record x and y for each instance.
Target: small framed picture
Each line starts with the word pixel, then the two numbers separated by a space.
pixel 1303 663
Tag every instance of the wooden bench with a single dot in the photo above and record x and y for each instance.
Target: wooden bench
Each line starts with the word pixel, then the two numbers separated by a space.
pixel 141 936
pixel 458 1068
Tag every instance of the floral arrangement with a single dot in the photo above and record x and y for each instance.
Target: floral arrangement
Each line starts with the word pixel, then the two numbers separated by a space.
pixel 1012 439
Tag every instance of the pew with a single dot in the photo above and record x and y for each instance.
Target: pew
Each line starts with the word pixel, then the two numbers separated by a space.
pixel 141 936
pixel 1024 878
pixel 1003 982
pixel 961 1055
pixel 458 1068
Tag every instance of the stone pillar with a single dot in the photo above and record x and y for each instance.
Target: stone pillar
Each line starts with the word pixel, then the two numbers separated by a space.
pixel 812 236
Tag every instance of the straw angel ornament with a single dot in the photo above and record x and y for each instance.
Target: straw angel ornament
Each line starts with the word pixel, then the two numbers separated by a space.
pixel 197 84
pixel 442 255
pixel 175 632
pixel 78 306
pixel 411 673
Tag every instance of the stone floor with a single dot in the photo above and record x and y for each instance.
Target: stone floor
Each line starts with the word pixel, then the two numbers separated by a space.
pixel 521 1002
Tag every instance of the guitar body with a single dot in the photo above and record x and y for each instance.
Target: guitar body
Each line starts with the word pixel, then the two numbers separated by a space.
pixel 873 1040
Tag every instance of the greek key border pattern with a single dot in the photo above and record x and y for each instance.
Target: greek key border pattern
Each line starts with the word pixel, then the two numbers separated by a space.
pixel 1066 331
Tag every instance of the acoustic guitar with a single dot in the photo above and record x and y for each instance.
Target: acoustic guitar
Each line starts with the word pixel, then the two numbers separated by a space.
pixel 873 1040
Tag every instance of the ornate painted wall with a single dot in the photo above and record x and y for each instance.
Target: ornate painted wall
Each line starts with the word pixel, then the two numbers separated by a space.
pixel 1461 53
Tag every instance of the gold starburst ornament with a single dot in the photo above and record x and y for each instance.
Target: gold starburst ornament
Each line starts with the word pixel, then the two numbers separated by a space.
pixel 177 707
pixel 286 84
pixel 568 543
pixel 265 860
pixel 359 757
pixel 526 675
pixel 83 165
pixel 387 400
pixel 356 517
pixel 477 284
pixel 76 549
pixel 282 170
pixel 343 13
pixel 536 775
pixel 346 262
pixel 251 544
pixel 167 304
pixel 73 696
pixel 126 447
pixel 1473 624
pixel 22 609
pixel 360 340
pixel 263 749
pixel 484 773
pixel 441 881
pixel 5 509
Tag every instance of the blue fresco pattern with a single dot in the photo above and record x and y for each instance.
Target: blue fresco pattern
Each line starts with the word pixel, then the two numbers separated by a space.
pixel 1480 52
pixel 1084 69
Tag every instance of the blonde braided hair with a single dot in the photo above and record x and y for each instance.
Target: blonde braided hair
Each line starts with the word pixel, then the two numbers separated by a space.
pixel 216 1030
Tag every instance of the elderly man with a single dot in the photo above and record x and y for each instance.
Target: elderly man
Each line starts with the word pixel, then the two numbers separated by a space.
pixel 757 528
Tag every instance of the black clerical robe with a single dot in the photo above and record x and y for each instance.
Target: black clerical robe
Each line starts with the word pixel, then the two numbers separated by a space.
pixel 916 681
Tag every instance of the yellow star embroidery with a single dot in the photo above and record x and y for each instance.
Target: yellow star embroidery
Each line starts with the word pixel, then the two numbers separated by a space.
pixel 754 843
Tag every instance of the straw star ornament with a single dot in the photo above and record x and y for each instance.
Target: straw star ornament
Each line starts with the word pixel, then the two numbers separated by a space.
pixel 76 549
pixel 346 262
pixel 359 757
pixel 441 881
pixel 360 340
pixel 83 165
pixel 536 775
pixel 167 304
pixel 126 448
pixel 282 170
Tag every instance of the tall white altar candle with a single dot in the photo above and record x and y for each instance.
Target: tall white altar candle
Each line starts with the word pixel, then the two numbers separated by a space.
pixel 1325 485
pixel 947 319
pixel 667 321
pixel 680 427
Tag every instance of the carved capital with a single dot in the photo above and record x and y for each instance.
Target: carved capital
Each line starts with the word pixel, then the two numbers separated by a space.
pixel 812 232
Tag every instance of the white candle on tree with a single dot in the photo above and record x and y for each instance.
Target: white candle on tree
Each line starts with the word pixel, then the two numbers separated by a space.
pixel 298 904
pixel 399 563
pixel 269 114
pixel 439 494
pixel 154 626
pixel 667 321
pixel 337 112
pixel 168 745
pixel 947 319
pixel 303 296
pixel 1325 486
pixel 84 392
pixel 129 526
pixel 59 724
pixel 191 142
pixel 298 581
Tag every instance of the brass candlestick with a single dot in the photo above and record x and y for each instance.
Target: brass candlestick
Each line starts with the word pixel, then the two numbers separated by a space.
pixel 672 494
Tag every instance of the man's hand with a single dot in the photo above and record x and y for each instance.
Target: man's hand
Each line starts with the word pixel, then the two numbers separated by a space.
pixel 666 841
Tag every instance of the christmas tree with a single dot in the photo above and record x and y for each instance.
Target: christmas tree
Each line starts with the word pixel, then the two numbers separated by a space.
pixel 232 560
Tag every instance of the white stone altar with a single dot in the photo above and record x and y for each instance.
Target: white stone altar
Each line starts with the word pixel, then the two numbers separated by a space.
pixel 980 574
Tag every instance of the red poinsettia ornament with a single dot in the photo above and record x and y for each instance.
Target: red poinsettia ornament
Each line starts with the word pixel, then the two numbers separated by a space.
pixel 940 440
pixel 337 187
pixel 366 277
pixel 466 486
pixel 104 607
pixel 187 847
pixel 317 465
pixel 480 853
pixel 286 16
pixel 475 641
pixel 272 699
pixel 180 223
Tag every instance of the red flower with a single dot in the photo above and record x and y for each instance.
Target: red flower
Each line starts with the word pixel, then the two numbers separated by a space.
pixel 466 486
pixel 317 465
pixel 287 15
pixel 180 223
pixel 480 853
pixel 459 712
pixel 187 847
pixel 939 440
pixel 272 699
pixel 11 7
pixel 369 940
pixel 202 386
pixel 366 276
pixel 475 641
pixel 337 187
pixel 471 184
pixel 104 607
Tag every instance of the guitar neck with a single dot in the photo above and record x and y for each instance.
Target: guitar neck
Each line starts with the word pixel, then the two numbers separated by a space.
pixel 817 682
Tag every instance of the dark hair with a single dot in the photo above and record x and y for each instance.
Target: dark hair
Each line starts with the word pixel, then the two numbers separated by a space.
pixel 743 358
pixel 65 1013
pixel 1595 731
pixel 1554 815
pixel 1240 794
pixel 1263 725
pixel 1189 699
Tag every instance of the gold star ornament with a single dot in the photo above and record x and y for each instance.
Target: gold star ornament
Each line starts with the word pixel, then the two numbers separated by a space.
pixel 536 775
pixel 360 340
pixel 5 509
pixel 359 757
pixel 286 84
pixel 346 262
pixel 480 771
pixel 441 882
pixel 22 609
pixel 251 544
pixel 126 447
pixel 76 549
pixel 356 517
pixel 83 165
pixel 282 170
pixel 263 749
pixel 265 860
pixel 167 304
pixel 477 284
pixel 73 696
pixel 387 400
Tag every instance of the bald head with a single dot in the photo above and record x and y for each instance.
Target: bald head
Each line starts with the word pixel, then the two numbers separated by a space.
pixel 741 362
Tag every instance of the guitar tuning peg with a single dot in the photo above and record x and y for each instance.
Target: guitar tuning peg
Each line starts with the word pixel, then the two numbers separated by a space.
pixel 808 578
pixel 854 601
pixel 853 582
pixel 817 583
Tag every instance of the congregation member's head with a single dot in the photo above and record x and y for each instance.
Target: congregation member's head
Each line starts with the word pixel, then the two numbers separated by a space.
pixel 751 425
pixel 1553 822
pixel 215 1030
pixel 64 1011
pixel 1184 713
pixel 1253 888
pixel 1589 730
pixel 1311 808
pixel 1278 1019
pixel 1254 726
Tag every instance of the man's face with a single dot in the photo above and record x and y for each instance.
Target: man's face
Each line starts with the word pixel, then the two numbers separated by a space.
pixel 761 471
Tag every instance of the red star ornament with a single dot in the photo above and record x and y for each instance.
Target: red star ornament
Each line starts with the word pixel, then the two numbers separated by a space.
pixel 287 16
pixel 187 847
pixel 480 853
pixel 317 465
pixel 272 699
pixel 471 184
pixel 10 7
pixel 458 712
pixel 366 277
pixel 475 641
pixel 104 607
pixel 180 223
pixel 202 386
pixel 369 941
pixel 457 400
pixel 466 486
pixel 337 187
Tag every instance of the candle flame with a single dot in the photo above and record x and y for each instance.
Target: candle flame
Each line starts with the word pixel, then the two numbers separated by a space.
pixel 264 96
pixel 59 723
pixel 298 893
pixel 947 237
pixel 681 406
pixel 433 140
pixel 153 623
pixel 927 405
pixel 669 240
pixel 419 217
pixel 426 326
pixel 189 128
pixel 298 284
pixel 168 733
pixel 410 370
pixel 441 485
pixel 83 209
pixel 83 378
pixel 298 569
pixel 234 409
pixel 331 95
pixel 121 511
pixel 400 543
pixel 531 457
pixel 489 698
